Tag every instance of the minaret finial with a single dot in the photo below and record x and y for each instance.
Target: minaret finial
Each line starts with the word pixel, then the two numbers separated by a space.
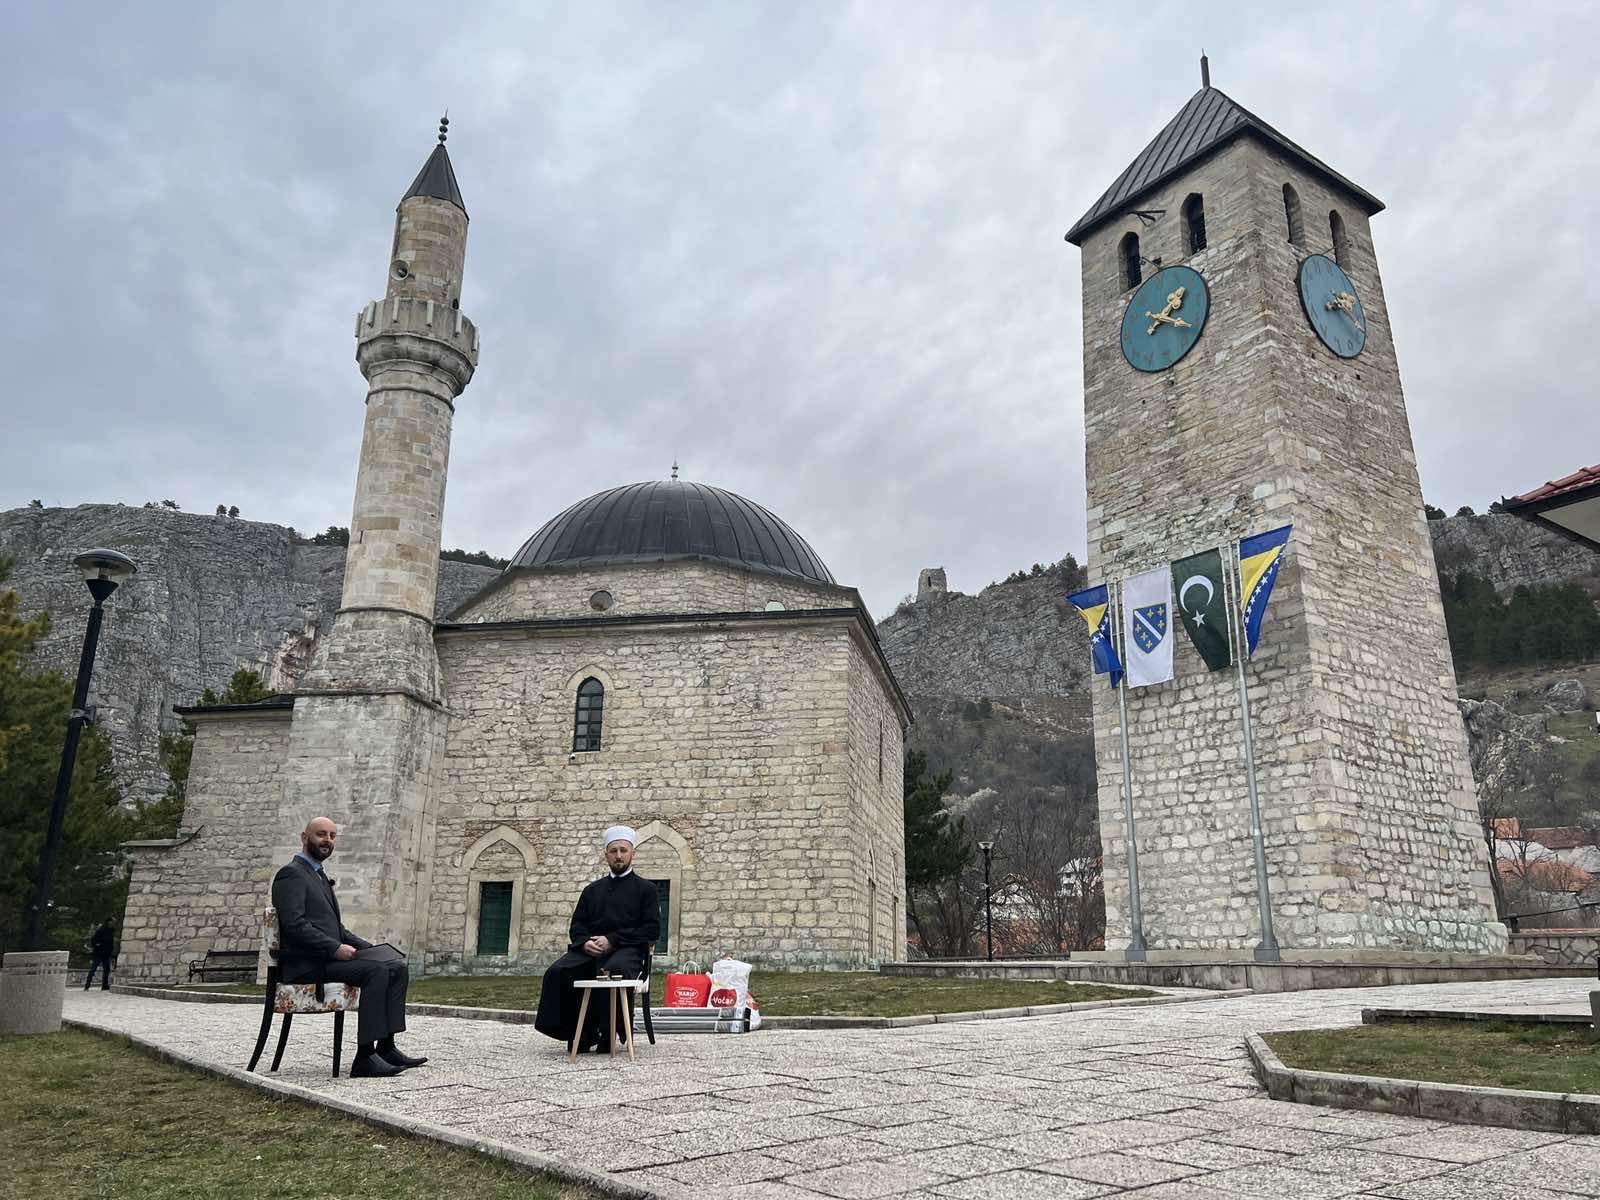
pixel 674 468
pixel 1205 69
pixel 444 126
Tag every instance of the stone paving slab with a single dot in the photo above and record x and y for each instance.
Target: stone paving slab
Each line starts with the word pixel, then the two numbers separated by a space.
pixel 1157 1103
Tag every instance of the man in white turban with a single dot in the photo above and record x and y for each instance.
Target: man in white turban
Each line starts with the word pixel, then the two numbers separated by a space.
pixel 615 924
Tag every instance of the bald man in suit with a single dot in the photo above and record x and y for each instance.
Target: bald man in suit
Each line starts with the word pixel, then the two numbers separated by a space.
pixel 315 947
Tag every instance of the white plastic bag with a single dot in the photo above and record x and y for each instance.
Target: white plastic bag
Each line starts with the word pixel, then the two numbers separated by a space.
pixel 730 984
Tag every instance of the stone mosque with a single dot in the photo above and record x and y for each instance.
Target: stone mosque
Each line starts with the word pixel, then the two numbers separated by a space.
pixel 665 654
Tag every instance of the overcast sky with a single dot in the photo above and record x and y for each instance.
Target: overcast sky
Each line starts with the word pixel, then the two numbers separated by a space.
pixel 812 251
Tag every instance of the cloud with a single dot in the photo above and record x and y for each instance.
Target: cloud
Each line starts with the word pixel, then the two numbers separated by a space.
pixel 813 253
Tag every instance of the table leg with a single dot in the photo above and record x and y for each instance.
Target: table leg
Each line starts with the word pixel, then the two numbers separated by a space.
pixel 626 996
pixel 577 1034
pixel 612 1043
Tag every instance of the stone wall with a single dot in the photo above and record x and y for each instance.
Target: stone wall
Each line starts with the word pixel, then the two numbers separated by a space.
pixel 1559 947
pixel 877 804
pixel 683 586
pixel 208 893
pixel 1368 803
pixel 730 746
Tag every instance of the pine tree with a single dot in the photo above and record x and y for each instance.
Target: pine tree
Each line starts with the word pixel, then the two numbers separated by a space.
pixel 91 878
pixel 937 849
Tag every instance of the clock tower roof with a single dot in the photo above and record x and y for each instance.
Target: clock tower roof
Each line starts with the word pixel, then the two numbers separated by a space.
pixel 1209 121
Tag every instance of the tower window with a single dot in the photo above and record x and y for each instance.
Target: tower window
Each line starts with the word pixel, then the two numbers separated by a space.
pixel 1128 249
pixel 586 721
pixel 494 917
pixel 1194 222
pixel 1291 212
pixel 1341 249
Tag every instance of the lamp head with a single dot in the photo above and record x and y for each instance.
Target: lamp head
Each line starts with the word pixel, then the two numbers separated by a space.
pixel 986 846
pixel 103 570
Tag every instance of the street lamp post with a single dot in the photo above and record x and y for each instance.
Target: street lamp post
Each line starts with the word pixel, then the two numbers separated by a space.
pixel 102 570
pixel 988 898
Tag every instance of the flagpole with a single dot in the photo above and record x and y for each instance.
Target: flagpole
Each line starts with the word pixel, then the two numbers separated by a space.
pixel 1136 947
pixel 1267 951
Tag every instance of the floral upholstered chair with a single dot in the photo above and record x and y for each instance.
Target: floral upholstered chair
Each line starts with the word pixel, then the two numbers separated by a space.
pixel 292 999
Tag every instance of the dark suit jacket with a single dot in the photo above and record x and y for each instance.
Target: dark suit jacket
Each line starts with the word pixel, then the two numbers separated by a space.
pixel 309 927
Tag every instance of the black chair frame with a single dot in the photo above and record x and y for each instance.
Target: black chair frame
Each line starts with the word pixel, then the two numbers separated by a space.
pixel 267 1012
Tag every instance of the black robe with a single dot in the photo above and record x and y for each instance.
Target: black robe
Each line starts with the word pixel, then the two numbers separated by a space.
pixel 624 910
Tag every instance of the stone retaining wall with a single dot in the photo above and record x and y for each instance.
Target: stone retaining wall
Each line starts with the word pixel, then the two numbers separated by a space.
pixel 1559 947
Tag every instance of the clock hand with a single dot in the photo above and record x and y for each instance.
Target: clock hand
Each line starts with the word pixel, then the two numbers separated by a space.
pixel 1174 300
pixel 1161 317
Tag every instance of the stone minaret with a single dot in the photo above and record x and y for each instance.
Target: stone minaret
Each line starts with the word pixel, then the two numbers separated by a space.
pixel 1369 810
pixel 369 712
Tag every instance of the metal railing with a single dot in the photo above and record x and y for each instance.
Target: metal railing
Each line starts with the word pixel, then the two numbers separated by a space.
pixel 1513 918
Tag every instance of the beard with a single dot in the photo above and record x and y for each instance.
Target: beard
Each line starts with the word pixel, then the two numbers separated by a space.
pixel 320 853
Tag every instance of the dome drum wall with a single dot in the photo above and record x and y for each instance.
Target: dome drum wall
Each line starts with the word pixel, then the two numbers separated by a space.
pixel 683 585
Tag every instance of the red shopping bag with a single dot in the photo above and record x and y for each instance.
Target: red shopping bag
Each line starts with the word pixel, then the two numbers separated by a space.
pixel 687 991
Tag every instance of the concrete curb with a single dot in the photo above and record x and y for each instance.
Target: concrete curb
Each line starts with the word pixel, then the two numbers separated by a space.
pixel 518 1016
pixel 1463 1104
pixel 599 1181
pixel 1388 1016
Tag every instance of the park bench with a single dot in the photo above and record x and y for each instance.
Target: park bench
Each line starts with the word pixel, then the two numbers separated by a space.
pixel 228 964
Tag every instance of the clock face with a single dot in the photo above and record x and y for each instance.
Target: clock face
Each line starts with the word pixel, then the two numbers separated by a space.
pixel 1332 306
pixel 1164 318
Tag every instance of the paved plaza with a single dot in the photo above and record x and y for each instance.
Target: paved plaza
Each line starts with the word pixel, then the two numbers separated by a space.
pixel 1157 1102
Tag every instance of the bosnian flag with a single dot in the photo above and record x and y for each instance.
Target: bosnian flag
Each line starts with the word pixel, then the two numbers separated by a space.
pixel 1259 559
pixel 1147 627
pixel 1093 605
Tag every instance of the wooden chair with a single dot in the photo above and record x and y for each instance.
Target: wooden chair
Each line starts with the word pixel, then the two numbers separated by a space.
pixel 293 999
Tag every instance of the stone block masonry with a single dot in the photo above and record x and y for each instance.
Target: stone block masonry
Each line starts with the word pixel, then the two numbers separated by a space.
pixel 762 763
pixel 1369 810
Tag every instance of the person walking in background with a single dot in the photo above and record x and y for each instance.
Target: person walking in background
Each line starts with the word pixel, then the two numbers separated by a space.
pixel 103 945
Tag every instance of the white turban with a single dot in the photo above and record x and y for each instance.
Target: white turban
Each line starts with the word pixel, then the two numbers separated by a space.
pixel 621 833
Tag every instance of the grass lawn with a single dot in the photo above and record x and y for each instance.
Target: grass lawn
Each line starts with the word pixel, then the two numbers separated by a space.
pixel 787 994
pixel 88 1116
pixel 1540 1058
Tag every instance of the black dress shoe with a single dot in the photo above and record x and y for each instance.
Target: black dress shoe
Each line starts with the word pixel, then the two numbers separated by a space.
pixel 401 1060
pixel 373 1066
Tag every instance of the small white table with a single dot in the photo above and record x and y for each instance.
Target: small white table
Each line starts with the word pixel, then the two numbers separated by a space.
pixel 615 988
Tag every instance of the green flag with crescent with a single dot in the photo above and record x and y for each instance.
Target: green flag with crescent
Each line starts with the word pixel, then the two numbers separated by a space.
pixel 1203 607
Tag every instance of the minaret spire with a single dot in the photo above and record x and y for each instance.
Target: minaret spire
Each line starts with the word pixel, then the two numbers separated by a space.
pixel 437 179
pixel 1205 73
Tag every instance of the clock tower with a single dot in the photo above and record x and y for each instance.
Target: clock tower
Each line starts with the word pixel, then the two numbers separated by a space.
pixel 1240 374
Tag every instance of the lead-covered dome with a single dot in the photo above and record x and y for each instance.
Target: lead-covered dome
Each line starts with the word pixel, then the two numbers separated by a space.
pixel 670 519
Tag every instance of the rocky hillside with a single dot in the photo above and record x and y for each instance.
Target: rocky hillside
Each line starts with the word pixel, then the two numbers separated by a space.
pixel 1508 551
pixel 998 679
pixel 212 594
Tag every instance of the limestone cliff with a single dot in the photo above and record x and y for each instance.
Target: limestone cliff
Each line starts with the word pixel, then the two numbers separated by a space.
pixel 212 594
pixel 998 680
pixel 1508 551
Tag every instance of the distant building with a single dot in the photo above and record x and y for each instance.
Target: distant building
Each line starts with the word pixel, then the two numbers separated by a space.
pixel 1569 505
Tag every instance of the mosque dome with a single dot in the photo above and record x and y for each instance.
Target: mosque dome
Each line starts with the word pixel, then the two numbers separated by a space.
pixel 672 519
